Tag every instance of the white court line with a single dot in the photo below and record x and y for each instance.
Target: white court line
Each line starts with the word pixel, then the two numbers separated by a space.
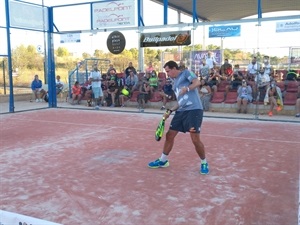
pixel 143 129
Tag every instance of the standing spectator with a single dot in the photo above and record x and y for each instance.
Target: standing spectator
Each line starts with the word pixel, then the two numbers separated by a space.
pixel 95 78
pixel 76 93
pixel 59 85
pixel 298 103
pixel 262 81
pixel 38 91
pixel 132 81
pixel 129 68
pixel 244 97
pixel 252 70
pixel 204 70
pixel 167 93
pixel 205 94
pixel 210 60
pixel 274 98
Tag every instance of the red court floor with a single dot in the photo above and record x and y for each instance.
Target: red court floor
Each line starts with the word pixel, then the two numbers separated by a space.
pixel 90 167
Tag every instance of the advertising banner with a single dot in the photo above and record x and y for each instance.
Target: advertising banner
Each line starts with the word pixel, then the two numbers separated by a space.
pixel 174 38
pixel 113 14
pixel 9 218
pixel 225 31
pixel 70 38
pixel 295 55
pixel 288 26
pixel 197 56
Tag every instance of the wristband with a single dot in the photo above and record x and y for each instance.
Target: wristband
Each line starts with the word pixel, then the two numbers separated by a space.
pixel 169 111
pixel 188 89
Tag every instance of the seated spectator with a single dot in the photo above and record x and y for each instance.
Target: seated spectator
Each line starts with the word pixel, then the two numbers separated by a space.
pixel 38 91
pixel 112 92
pixel 204 71
pixel 153 82
pixel 236 81
pixel 213 80
pixel 150 68
pixel 244 97
pixel 274 98
pixel 298 103
pixel 132 81
pixel 205 94
pixel 290 76
pixel 124 96
pixel 226 71
pixel 130 68
pixel 181 65
pixel 87 92
pixel 59 85
pixel 167 93
pixel 143 96
pixel 76 93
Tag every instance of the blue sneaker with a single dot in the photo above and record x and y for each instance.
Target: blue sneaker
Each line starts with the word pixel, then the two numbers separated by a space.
pixel 204 169
pixel 158 164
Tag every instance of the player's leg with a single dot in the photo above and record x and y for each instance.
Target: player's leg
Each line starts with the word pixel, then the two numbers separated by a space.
pixel 192 123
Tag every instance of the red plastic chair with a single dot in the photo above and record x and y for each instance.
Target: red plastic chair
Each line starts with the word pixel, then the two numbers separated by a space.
pixel 218 97
pixel 134 96
pixel 156 97
pixel 231 98
pixel 290 98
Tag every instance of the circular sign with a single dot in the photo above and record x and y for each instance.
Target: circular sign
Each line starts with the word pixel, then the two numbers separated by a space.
pixel 39 49
pixel 116 42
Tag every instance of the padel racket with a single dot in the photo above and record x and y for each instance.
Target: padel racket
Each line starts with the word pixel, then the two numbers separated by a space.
pixel 160 129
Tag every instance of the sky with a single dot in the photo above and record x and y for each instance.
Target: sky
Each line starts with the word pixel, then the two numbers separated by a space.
pixel 253 38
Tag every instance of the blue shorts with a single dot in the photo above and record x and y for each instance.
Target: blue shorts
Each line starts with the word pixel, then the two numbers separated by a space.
pixel 183 121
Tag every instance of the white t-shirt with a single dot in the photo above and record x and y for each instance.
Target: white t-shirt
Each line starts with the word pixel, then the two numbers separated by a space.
pixel 253 69
pixel 210 62
pixel 96 75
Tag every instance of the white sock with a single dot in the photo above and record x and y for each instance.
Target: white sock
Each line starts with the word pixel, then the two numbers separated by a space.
pixel 163 157
pixel 203 161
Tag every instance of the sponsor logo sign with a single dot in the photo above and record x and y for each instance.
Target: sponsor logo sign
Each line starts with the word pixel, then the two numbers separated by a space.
pixel 165 39
pixel 116 42
pixel 70 38
pixel 225 31
pixel 113 14
pixel 288 26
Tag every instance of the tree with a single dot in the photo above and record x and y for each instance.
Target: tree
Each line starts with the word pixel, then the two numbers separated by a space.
pixel 62 51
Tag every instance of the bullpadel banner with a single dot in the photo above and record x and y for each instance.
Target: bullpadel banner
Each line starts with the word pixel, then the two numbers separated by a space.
pixel 174 38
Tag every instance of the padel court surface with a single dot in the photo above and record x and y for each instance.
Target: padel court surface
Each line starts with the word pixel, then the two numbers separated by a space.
pixel 90 167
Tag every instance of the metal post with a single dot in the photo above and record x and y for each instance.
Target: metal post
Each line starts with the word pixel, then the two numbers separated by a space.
pixel 4 81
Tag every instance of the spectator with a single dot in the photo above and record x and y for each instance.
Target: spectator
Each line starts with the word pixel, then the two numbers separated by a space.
pixel 226 70
pixel 236 80
pixel 244 97
pixel 150 68
pixel 76 93
pixel 143 96
pixel 112 92
pixel 59 85
pixel 182 65
pixel 262 83
pixel 87 92
pixel 38 91
pixel 274 97
pixel 124 95
pixel 213 79
pixel 132 81
pixel 153 82
pixel 291 76
pixel 204 70
pixel 167 93
pixel 95 78
pixel 111 67
pixel 210 60
pixel 205 94
pixel 129 68
pixel 252 70
pixel 298 103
